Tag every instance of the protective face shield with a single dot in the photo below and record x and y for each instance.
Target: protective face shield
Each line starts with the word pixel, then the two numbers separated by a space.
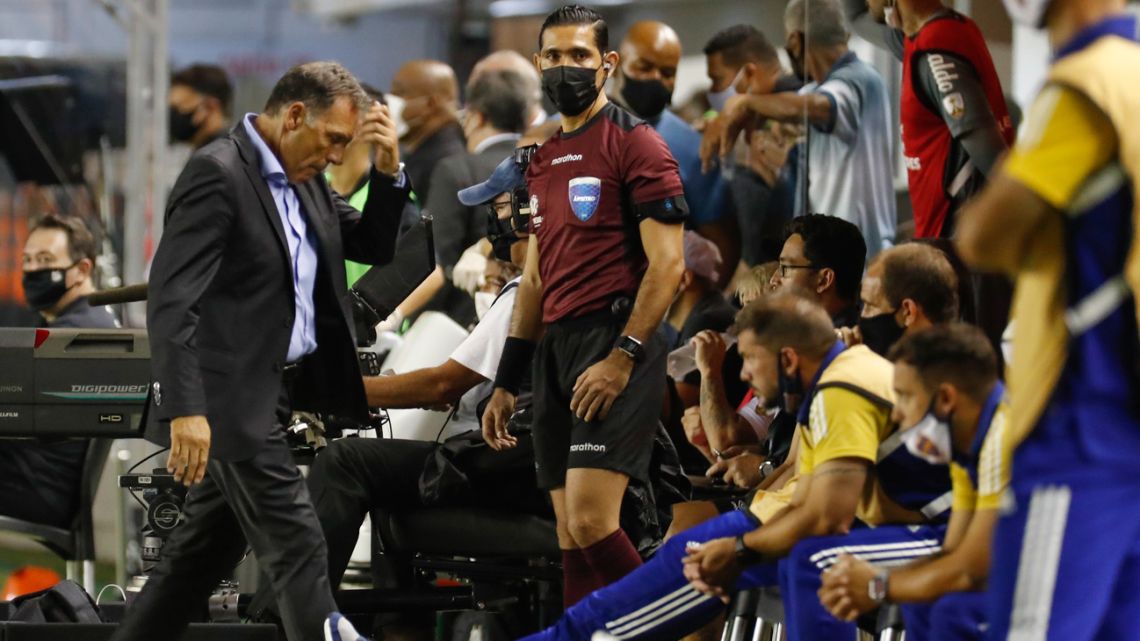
pixel 929 439
pixel 396 110
pixel 1030 13
pixel 503 233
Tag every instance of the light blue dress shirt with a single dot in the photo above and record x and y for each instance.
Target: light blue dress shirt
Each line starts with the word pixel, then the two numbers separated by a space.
pixel 302 246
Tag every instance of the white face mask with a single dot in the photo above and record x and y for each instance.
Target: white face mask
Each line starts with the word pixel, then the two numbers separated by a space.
pixel 483 302
pixel 718 99
pixel 396 110
pixel 929 440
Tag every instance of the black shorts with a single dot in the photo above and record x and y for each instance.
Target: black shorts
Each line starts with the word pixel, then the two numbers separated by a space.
pixel 623 441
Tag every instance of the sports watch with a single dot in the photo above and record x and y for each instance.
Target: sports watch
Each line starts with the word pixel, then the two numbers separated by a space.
pixel 746 555
pixel 877 587
pixel 766 468
pixel 631 347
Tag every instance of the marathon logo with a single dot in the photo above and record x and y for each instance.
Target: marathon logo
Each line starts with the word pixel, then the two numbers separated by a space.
pixel 567 158
pixel 945 73
pixel 108 389
pixel 588 447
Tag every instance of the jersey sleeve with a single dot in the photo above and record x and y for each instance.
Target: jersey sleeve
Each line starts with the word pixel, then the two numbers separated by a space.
pixel 651 177
pixel 1064 141
pixel 841 424
pixel 950 85
pixel 994 463
pixel 965 497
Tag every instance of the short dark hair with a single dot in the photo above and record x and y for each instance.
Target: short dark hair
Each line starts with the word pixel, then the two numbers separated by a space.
pixel 318 85
pixel 955 353
pixel 741 44
pixel 208 80
pixel 502 96
pixel 577 14
pixel 923 274
pixel 835 244
pixel 80 240
pixel 788 319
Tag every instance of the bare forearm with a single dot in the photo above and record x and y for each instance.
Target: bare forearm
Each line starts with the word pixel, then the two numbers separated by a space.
pixel 716 414
pixel 926 581
pixel 421 388
pixel 423 293
pixel 653 298
pixel 526 319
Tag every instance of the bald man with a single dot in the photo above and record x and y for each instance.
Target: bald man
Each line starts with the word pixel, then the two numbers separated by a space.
pixel 510 60
pixel 430 94
pixel 644 85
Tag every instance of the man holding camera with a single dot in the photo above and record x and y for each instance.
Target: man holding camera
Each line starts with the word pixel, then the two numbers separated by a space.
pixel 603 263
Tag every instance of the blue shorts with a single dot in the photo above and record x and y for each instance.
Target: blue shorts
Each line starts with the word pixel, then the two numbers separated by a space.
pixel 1066 560
pixel 655 601
pixel 887 546
pixel 959 616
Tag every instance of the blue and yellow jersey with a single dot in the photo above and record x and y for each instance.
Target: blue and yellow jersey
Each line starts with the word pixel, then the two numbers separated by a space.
pixel 1073 378
pixel 980 478
pixel 848 415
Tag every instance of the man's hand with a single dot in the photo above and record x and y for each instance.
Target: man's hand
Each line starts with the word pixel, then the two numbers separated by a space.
pixel 694 430
pixel 711 567
pixel 189 449
pixel 495 418
pixel 850 335
pixel 742 470
pixel 710 351
pixel 378 129
pixel 599 386
pixel 844 591
pixel 720 136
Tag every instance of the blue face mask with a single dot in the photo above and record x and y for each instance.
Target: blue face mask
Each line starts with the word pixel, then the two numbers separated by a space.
pixel 718 99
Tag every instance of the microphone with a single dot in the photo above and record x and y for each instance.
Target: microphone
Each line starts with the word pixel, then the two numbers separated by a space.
pixel 128 294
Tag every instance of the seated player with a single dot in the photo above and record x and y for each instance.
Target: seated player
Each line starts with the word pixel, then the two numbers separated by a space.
pixel 843 400
pixel 951 401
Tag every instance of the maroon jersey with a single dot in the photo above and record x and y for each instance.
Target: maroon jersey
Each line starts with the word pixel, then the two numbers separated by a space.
pixel 589 189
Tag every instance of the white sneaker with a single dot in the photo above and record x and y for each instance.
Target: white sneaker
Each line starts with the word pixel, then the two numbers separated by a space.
pixel 338 628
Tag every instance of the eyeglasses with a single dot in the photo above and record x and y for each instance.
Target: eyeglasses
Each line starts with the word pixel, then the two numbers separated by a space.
pixel 785 268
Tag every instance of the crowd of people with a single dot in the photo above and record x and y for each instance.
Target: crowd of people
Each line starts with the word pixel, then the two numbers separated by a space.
pixel 725 296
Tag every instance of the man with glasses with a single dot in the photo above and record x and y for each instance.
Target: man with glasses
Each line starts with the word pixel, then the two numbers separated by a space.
pixel 824 255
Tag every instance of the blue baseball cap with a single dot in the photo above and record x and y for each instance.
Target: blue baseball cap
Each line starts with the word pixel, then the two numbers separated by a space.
pixel 506 177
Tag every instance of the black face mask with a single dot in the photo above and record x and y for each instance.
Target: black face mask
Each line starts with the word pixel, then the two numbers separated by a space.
pixel 790 394
pixel 647 98
pixel 44 287
pixel 571 89
pixel 182 127
pixel 880 332
pixel 797 65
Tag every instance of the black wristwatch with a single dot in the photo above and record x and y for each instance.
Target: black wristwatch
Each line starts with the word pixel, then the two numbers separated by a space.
pixel 745 555
pixel 631 347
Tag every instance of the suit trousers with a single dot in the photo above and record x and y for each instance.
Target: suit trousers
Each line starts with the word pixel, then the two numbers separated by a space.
pixel 262 500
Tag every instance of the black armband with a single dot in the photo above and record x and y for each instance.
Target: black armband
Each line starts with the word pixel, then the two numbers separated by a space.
pixel 673 209
pixel 518 353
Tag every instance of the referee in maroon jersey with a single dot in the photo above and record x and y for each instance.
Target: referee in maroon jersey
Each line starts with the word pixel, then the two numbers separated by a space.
pixel 603 263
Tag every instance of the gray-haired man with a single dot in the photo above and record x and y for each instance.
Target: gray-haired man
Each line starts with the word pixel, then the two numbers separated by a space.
pixel 247 320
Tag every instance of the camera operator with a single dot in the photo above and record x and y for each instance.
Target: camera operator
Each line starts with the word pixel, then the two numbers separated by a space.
pixel 607 214
pixel 39 481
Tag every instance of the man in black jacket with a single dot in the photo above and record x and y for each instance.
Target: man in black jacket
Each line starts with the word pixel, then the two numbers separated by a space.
pixel 248 318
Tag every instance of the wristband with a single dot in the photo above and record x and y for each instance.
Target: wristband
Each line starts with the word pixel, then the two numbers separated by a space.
pixel 517 356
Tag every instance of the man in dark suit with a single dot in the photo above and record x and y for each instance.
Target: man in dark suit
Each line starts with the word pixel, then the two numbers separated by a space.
pixel 248 317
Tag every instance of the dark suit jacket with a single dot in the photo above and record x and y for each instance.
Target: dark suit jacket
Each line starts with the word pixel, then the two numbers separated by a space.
pixel 221 297
pixel 456 226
